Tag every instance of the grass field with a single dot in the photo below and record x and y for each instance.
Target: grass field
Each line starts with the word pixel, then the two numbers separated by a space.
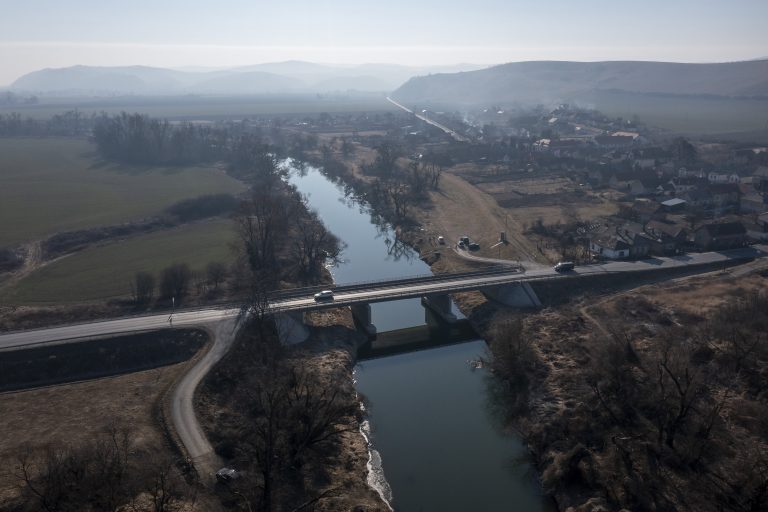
pixel 206 108
pixel 58 184
pixel 104 272
pixel 691 115
pixel 77 413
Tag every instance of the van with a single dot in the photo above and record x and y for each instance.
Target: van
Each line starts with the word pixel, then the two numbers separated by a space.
pixel 564 266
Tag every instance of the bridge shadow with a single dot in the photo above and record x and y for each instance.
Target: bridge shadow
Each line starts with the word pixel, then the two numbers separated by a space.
pixel 413 339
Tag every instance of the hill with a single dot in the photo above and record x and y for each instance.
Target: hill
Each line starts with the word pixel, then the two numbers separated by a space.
pixel 289 76
pixel 557 81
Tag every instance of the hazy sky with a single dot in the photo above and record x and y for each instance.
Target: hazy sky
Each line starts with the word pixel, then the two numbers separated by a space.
pixel 55 33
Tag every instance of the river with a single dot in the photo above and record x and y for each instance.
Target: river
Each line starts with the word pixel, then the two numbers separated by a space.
pixel 430 413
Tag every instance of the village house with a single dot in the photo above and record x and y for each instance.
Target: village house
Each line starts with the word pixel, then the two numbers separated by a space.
pixel 609 247
pixel 753 202
pixel 698 198
pixel 725 196
pixel 614 141
pixel 643 210
pixel 715 237
pixel 683 184
pixel 668 238
pixel 760 180
pixel 758 230
pixel 639 243
pixel 714 177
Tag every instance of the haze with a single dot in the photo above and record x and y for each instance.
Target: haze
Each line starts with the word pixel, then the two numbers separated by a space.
pixel 175 33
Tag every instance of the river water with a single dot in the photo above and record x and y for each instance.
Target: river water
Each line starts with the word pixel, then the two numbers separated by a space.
pixel 430 413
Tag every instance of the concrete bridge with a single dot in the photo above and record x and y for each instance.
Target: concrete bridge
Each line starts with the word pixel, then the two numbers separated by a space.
pixel 505 284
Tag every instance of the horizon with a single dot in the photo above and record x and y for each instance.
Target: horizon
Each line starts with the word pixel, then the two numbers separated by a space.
pixel 47 34
pixel 193 68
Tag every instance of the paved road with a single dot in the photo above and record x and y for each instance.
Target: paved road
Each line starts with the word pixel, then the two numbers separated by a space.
pixel 368 293
pixel 447 130
pixel 104 328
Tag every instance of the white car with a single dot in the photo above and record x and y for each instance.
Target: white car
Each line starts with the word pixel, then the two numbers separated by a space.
pixel 324 295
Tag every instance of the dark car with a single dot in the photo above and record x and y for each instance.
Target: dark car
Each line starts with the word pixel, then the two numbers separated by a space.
pixel 564 266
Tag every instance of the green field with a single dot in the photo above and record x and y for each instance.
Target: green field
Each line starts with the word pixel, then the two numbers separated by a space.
pixel 206 108
pixel 49 185
pixel 685 114
pixel 104 272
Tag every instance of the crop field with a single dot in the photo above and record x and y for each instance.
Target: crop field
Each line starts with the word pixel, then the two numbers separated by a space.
pixel 206 108
pixel 49 185
pixel 692 115
pixel 104 272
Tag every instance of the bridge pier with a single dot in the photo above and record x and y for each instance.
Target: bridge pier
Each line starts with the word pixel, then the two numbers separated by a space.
pixel 440 304
pixel 291 328
pixel 362 315
pixel 518 295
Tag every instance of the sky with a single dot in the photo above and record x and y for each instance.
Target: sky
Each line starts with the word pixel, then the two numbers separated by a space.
pixel 36 34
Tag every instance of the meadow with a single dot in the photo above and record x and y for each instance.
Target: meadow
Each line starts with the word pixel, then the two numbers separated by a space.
pixel 206 107
pixel 694 115
pixel 48 185
pixel 104 272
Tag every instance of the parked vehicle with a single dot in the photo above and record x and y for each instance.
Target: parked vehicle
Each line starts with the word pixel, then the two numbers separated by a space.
pixel 474 246
pixel 465 240
pixel 564 266
pixel 441 240
pixel 324 295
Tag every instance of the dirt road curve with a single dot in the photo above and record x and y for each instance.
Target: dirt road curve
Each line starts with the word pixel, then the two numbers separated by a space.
pixel 183 415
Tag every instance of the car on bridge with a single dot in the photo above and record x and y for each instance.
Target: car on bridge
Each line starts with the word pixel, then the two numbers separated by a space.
pixel 324 295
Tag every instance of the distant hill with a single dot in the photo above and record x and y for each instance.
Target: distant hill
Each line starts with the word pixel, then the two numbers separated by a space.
pixel 557 81
pixel 289 76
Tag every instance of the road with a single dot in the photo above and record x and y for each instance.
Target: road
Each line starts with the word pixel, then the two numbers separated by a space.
pixel 382 291
pixel 223 322
pixel 444 128
pixel 183 404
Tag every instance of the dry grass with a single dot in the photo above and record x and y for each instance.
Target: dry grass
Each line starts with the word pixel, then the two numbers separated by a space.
pixel 76 413
pixel 566 343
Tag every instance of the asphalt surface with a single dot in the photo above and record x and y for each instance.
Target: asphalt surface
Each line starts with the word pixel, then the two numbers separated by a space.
pixel 368 293
pixel 427 120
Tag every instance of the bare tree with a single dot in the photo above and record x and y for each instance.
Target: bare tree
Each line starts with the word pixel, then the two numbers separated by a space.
pixel 175 280
pixel 217 272
pixel 143 288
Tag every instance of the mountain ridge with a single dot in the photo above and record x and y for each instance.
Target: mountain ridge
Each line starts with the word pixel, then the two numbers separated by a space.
pixel 543 81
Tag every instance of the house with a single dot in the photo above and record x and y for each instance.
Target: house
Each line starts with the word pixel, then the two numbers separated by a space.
pixel 714 177
pixel 760 180
pixel 614 141
pixel 714 237
pixel 668 237
pixel 725 196
pixel 639 243
pixel 699 198
pixel 609 247
pixel 644 210
pixel 684 184
pixel 758 230
pixel 753 203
